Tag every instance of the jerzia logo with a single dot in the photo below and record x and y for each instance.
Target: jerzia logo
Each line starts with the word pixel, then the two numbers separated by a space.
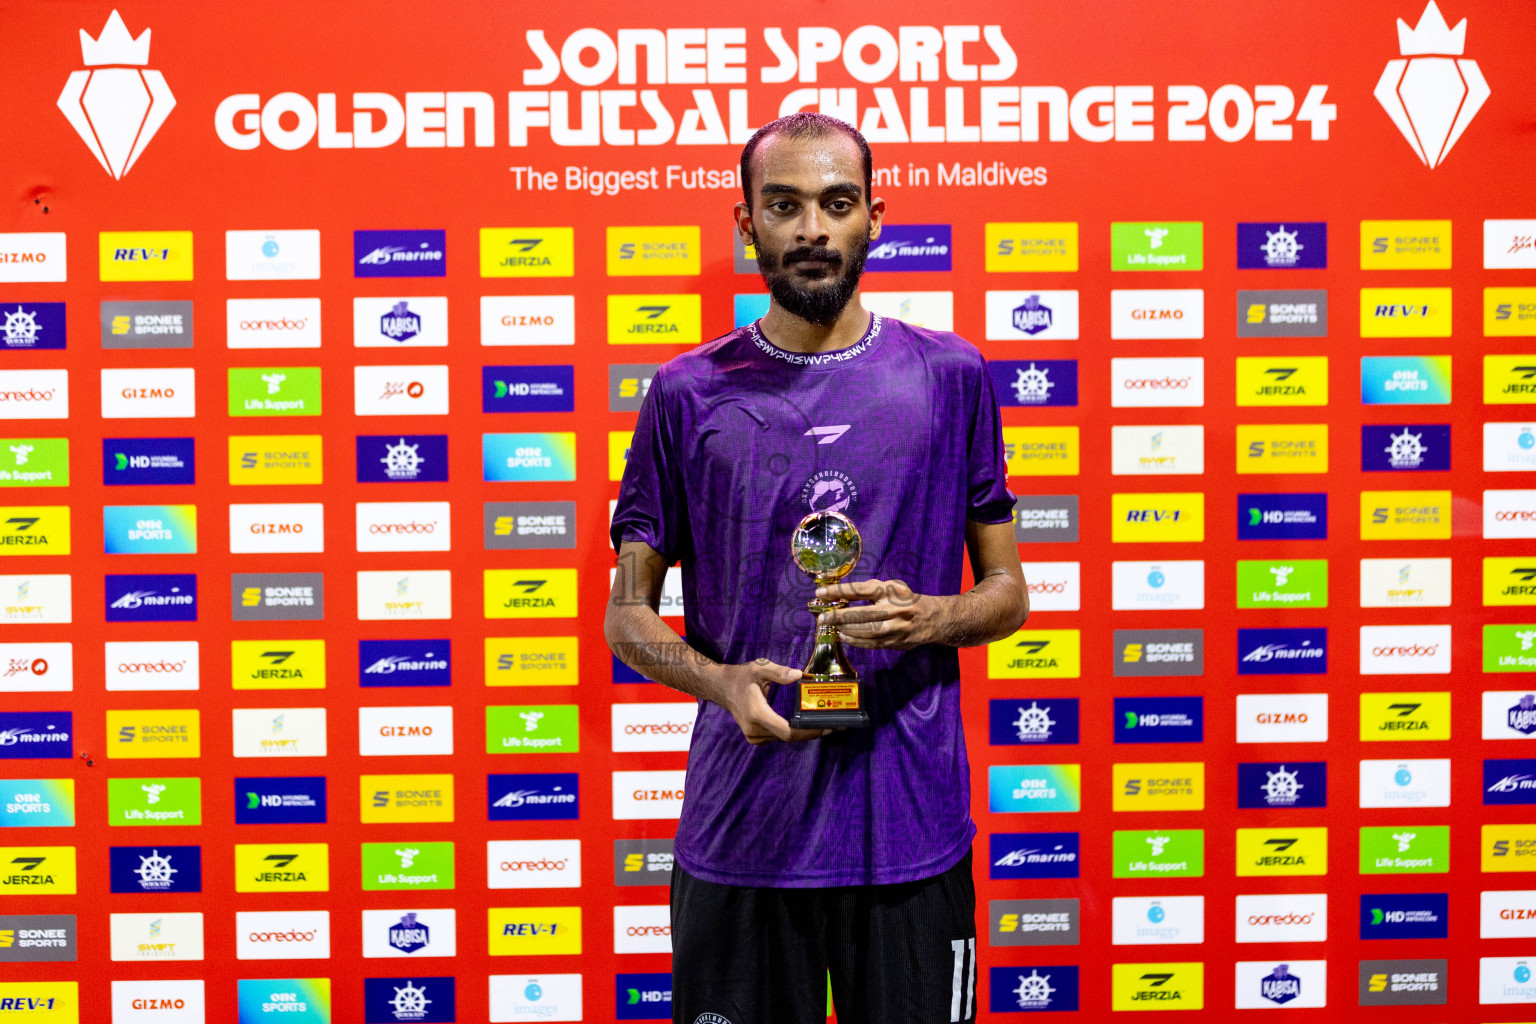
pixel 116 109
pixel 1433 93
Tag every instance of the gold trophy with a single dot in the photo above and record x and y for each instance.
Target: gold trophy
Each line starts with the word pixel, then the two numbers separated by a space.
pixel 826 546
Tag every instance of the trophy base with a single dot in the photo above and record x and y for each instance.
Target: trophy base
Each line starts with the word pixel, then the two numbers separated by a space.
pixel 847 718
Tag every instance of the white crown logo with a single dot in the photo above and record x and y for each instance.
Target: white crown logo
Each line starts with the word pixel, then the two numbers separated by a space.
pixel 1433 93
pixel 116 108
pixel 116 46
pixel 1431 35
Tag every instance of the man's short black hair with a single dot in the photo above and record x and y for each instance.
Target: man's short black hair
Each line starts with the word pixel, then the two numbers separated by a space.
pixel 802 125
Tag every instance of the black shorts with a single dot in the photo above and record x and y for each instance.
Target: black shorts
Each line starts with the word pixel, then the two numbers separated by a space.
pixel 896 954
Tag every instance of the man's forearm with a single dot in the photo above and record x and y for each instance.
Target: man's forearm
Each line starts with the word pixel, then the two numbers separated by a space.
pixel 989 611
pixel 641 640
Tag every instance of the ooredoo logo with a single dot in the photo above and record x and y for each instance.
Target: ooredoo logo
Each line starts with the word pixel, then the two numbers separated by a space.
pixel 34 394
pixel 1153 383
pixel 533 863
pixel 152 665
pixel 646 929
pixel 273 323
pixel 640 727
pixel 283 935
pixel 403 526
pixel 1405 650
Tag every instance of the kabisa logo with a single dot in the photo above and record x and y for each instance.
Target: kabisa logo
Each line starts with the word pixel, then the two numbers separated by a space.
pixel 402 458
pixel 404 662
pixel 423 1000
pixel 1280 986
pixel 910 247
pixel 547 797
pixel 1522 717
pixel 1282 785
pixel 116 109
pixel 1038 382
pixel 35 325
pixel 1282 517
pixel 409 935
pixel 1433 93
pixel 1033 854
pixel 29 735
pixel 285 800
pixel 1034 722
pixel 399 253
pixel 1282 652
pixel 1282 246
pixel 157 869
pixel 165 597
pixel 1031 316
pixel 1509 781
pixel 1048 987
pixel 400 324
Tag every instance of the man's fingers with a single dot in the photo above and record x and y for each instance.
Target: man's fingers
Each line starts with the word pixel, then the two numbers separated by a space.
pixel 800 735
pixel 853 616
pixel 851 591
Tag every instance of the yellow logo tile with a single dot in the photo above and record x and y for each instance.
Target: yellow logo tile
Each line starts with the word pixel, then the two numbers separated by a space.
pixel 1036 654
pixel 1157 517
pixel 527 252
pixel 655 320
pixel 1405 716
pixel 1042 451
pixel 1161 786
pixel 405 798
pixel 530 661
pixel 275 459
pixel 1405 515
pixel 1031 246
pixel 653 252
pixel 154 732
pixel 146 255
pixel 277 664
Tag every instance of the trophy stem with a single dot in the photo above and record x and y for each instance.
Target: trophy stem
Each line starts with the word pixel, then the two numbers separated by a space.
pixel 829 685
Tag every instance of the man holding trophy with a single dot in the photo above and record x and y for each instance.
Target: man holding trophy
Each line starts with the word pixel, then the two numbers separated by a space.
pixel 820 474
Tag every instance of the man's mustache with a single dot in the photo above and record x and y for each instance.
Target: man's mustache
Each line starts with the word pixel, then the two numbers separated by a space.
pixel 831 257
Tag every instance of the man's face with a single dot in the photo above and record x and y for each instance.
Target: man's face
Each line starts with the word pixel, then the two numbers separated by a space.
pixel 811 222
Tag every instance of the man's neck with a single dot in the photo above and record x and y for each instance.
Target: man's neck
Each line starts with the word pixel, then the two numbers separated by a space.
pixel 790 332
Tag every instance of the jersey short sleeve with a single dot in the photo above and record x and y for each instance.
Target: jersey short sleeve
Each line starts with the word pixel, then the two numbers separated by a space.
pixel 988 499
pixel 651 507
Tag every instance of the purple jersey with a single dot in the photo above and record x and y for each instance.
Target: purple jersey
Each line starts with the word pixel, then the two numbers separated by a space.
pixel 737 441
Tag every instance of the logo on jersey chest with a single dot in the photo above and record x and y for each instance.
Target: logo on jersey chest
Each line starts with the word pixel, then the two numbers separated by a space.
pixel 829 490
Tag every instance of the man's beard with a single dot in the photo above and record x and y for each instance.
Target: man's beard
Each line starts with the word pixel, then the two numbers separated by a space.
pixel 818 305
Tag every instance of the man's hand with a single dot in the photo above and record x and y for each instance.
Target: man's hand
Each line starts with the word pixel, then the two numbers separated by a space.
pixel 895 616
pixel 743 691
